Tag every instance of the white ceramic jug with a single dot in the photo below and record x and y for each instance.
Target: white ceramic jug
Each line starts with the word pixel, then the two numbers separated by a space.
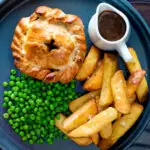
pixel 100 42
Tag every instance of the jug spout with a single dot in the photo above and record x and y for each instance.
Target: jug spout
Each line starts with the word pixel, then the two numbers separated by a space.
pixel 104 6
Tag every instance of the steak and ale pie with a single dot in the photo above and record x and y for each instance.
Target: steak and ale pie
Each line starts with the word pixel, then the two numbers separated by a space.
pixel 49 45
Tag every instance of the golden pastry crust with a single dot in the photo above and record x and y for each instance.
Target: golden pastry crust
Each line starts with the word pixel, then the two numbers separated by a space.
pixel 49 45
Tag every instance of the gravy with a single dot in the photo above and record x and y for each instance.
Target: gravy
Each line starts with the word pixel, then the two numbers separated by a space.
pixel 111 26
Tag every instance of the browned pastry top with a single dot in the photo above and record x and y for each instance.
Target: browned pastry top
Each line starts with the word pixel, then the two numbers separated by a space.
pixel 49 45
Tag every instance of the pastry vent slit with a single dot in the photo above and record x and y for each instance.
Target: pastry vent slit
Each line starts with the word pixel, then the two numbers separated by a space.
pixel 37 18
pixel 51 45
pixel 54 70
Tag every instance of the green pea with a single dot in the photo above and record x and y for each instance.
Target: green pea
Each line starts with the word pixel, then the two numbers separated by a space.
pixel 16 124
pixel 38 131
pixel 10 103
pixel 52 122
pixel 16 99
pixel 4 105
pixel 25 90
pixel 20 85
pixel 41 109
pixel 62 94
pixel 44 88
pixel 9 111
pixel 50 93
pixel 34 138
pixel 10 121
pixel 28 107
pixel 12 96
pixel 5 115
pixel 21 133
pixel 58 116
pixel 66 92
pixel 12 108
pixel 37 90
pixel 38 113
pixel 17 109
pixel 70 97
pixel 39 101
pixel 11 83
pixel 44 122
pixel 6 99
pixel 32 116
pixel 49 141
pixel 38 118
pixel 28 97
pixel 51 107
pixel 31 142
pixel 15 93
pixel 24 138
pixel 17 130
pixel 12 115
pixel 21 100
pixel 35 109
pixel 13 71
pixel 24 110
pixel 58 99
pixel 17 120
pixel 33 86
pixel 5 93
pixel 44 94
pixel 20 94
pixel 39 94
pixel 47 103
pixel 24 95
pixel 9 93
pixel 41 141
pixel 5 84
pixel 12 77
pixel 21 105
pixel 65 137
pixel 32 133
pixel 28 136
pixel 16 115
pixel 38 83
pixel 31 102
pixel 17 79
pixel 29 91
pixel 33 97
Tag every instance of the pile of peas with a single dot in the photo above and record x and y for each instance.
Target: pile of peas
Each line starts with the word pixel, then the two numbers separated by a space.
pixel 31 105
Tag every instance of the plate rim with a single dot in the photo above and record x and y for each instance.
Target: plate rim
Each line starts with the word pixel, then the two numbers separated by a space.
pixel 14 4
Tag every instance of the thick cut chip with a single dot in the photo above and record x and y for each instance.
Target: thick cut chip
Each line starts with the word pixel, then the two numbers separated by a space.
pixel 80 116
pixel 119 91
pixel 106 131
pixel 134 81
pixel 77 103
pixel 95 81
pixel 79 141
pixel 134 65
pixel 89 64
pixel 96 124
pixel 110 67
pixel 95 138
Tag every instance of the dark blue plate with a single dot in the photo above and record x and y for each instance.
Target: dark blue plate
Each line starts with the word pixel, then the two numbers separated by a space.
pixel 12 11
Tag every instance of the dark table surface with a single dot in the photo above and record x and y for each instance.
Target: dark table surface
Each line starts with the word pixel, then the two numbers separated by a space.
pixel 143 142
